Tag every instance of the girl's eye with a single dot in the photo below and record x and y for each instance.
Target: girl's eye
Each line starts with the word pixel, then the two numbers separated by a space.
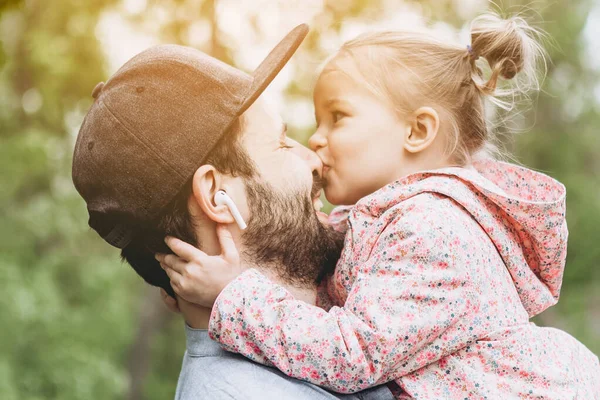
pixel 337 116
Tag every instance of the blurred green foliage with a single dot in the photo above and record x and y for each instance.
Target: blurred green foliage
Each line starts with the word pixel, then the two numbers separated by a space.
pixel 76 323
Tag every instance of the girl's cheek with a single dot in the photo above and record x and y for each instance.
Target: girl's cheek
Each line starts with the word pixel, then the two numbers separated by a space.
pixel 339 190
pixel 332 188
pixel 333 195
pixel 336 149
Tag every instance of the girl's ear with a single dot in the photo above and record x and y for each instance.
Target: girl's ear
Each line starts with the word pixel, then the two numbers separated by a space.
pixel 423 130
pixel 206 183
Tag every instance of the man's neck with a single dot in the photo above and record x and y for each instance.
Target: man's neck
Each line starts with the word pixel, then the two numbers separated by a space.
pixel 195 316
pixel 302 293
pixel 198 317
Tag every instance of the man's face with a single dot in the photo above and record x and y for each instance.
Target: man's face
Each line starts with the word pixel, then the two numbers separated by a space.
pixel 286 230
pixel 281 161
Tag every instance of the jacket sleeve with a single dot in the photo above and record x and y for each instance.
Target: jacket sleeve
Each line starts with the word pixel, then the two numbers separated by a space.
pixel 403 300
pixel 338 218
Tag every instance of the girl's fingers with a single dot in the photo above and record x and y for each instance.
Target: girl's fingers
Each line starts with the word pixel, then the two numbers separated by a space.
pixel 173 262
pixel 228 248
pixel 185 250
pixel 175 278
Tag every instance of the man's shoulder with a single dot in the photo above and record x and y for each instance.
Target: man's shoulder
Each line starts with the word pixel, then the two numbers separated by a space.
pixel 209 372
pixel 231 376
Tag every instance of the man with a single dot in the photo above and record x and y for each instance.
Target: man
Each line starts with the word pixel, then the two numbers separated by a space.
pixel 168 131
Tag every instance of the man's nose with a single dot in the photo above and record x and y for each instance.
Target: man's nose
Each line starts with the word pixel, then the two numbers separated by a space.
pixel 315 163
pixel 311 158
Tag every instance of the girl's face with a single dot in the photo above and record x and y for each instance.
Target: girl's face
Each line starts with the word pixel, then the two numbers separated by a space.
pixel 359 136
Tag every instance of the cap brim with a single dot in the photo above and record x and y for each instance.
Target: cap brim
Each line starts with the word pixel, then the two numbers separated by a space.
pixel 275 61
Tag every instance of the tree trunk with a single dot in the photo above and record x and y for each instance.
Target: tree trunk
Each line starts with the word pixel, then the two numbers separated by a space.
pixel 153 317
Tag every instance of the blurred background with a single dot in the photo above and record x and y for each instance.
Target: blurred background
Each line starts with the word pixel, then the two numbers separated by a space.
pixel 75 322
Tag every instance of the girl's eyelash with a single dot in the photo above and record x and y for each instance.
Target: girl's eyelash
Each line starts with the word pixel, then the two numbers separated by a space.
pixel 285 146
pixel 339 115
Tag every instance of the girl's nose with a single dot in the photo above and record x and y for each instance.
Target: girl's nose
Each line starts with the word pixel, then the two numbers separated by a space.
pixel 317 141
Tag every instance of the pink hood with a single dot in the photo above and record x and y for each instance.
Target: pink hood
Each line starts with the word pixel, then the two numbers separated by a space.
pixel 534 204
pixel 522 212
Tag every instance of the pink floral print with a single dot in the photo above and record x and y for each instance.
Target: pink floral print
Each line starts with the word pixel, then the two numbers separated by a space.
pixel 438 278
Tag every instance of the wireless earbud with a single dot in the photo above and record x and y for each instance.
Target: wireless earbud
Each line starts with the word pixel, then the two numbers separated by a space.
pixel 221 198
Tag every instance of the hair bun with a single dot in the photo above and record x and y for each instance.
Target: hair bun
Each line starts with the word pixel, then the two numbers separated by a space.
pixel 500 42
pixel 510 46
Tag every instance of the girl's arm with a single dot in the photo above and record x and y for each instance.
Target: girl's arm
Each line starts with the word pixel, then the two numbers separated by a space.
pixel 403 300
pixel 338 218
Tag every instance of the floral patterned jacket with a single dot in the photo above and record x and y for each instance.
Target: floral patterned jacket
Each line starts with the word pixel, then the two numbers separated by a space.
pixel 438 278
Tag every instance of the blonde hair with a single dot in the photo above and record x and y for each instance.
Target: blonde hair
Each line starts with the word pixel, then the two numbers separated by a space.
pixel 412 69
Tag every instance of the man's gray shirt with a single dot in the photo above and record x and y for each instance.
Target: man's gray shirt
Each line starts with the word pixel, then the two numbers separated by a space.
pixel 209 372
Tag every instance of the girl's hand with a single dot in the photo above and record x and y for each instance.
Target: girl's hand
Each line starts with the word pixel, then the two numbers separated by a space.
pixel 197 277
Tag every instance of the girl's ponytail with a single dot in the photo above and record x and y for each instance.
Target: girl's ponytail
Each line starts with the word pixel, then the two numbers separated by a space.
pixel 512 50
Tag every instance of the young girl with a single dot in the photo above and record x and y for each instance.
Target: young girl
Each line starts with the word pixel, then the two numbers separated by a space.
pixel 446 257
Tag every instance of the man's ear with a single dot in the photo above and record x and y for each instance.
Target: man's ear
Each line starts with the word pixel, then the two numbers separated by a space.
pixel 205 184
pixel 424 128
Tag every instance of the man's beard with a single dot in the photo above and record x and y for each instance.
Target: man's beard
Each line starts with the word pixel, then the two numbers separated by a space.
pixel 285 236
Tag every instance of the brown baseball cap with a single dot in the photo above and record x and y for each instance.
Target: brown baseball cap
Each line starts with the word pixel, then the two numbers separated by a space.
pixel 154 122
